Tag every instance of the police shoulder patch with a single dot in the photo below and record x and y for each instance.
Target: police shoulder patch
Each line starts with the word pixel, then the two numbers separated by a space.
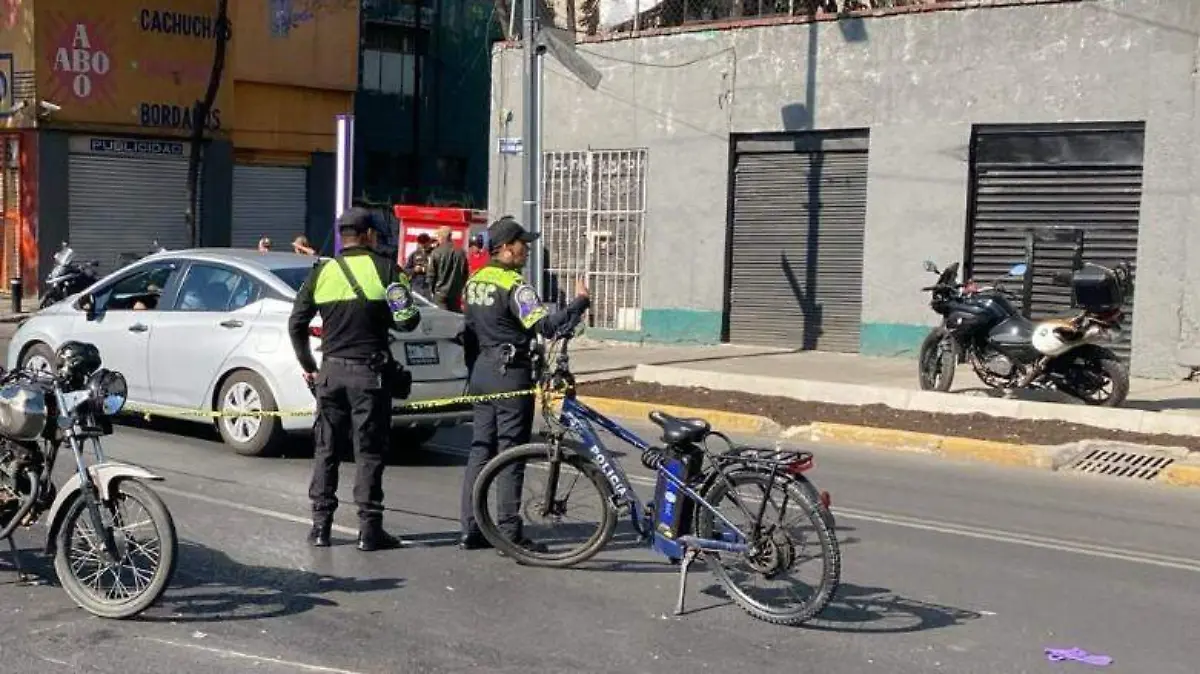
pixel 527 299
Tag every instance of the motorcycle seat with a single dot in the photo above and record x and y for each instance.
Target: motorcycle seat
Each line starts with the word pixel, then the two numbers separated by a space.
pixel 679 431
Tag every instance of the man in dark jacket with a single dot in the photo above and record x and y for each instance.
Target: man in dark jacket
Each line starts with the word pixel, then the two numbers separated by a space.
pixel 447 272
pixel 360 295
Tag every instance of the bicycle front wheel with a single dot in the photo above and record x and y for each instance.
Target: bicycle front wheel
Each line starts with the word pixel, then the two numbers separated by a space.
pixel 791 534
pixel 513 491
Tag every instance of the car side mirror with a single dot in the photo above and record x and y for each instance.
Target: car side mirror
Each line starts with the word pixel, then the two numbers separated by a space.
pixel 88 304
pixel 930 266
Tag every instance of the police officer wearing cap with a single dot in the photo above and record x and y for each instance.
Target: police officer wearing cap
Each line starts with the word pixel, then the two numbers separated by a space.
pixel 361 295
pixel 503 316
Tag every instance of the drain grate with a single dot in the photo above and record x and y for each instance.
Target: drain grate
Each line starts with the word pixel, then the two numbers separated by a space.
pixel 1121 463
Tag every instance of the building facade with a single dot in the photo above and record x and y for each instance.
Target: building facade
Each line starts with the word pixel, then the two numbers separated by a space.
pixel 97 126
pixel 781 182
pixel 421 109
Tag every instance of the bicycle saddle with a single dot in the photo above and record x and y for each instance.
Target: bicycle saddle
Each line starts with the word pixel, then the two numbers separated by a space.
pixel 677 431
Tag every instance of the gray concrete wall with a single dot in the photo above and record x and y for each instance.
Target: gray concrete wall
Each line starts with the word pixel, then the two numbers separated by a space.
pixel 918 81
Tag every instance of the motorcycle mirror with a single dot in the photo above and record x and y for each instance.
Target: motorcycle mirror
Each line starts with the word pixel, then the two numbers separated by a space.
pixel 930 266
pixel 1018 270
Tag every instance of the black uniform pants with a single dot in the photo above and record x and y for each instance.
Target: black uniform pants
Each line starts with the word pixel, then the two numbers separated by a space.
pixel 353 410
pixel 498 425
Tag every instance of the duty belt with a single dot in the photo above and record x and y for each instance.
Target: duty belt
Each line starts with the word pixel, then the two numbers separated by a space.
pixel 510 355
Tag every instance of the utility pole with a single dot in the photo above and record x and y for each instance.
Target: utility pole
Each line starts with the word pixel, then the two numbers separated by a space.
pixel 531 138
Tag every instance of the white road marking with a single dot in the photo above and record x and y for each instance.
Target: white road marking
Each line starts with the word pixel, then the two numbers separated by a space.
pixel 966 531
pixel 224 652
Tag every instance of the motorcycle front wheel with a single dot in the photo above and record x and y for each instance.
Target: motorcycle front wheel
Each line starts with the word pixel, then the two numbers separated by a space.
pixel 146 545
pixel 937 360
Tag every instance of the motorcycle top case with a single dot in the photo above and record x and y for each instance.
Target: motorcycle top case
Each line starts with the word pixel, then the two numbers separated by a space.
pixel 1096 289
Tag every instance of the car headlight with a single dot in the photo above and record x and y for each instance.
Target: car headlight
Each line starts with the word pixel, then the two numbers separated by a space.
pixel 109 391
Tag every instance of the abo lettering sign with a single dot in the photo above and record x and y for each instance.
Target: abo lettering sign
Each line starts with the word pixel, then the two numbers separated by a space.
pixel 81 62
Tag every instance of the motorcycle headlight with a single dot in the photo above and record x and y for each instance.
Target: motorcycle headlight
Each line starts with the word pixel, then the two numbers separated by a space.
pixel 109 391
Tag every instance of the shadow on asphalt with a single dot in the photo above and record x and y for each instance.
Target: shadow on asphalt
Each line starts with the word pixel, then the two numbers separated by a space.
pixel 209 586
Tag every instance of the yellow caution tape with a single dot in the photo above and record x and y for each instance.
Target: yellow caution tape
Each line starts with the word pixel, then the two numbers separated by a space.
pixel 148 411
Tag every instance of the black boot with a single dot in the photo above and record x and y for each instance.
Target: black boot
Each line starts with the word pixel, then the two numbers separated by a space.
pixel 372 537
pixel 531 546
pixel 473 541
pixel 318 536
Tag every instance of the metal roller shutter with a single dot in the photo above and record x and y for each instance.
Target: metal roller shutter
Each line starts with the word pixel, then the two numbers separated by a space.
pixel 121 205
pixel 269 201
pixel 796 246
pixel 1055 185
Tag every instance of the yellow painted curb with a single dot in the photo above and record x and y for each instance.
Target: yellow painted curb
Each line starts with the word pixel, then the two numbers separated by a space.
pixel 1181 475
pixel 729 422
pixel 875 437
pixel 1001 453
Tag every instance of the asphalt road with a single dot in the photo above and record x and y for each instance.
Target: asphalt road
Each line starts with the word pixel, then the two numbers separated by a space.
pixel 954 568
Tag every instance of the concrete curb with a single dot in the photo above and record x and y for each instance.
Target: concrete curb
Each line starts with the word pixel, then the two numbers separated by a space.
pixel 1051 458
pixel 1000 453
pixel 1120 419
pixel 729 422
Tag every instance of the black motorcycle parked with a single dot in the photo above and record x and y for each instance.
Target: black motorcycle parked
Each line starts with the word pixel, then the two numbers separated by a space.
pixel 67 277
pixel 1007 351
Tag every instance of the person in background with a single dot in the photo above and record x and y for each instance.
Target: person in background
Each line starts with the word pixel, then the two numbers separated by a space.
pixel 417 265
pixel 264 245
pixel 477 257
pixel 447 272
pixel 301 246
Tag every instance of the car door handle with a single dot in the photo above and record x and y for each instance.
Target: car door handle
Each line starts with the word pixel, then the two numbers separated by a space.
pixel 231 323
pixel 138 327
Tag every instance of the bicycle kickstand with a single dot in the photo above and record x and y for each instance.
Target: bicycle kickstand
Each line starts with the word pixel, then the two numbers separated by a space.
pixel 689 556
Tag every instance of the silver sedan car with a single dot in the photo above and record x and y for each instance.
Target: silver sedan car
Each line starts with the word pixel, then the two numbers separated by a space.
pixel 204 330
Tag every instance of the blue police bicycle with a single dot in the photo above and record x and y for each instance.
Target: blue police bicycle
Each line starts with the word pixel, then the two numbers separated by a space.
pixel 729 508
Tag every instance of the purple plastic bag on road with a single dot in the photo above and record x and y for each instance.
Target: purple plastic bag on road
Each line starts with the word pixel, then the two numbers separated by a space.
pixel 1078 655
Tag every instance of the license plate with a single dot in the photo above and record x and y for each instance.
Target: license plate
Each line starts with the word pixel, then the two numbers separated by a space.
pixel 421 353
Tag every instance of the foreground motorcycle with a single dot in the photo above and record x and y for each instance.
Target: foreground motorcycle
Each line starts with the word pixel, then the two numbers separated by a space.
pixel 112 538
pixel 1007 351
pixel 67 277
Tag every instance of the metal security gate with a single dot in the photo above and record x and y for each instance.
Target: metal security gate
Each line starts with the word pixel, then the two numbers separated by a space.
pixel 593 218
pixel 796 240
pixel 270 201
pixel 1072 191
pixel 124 196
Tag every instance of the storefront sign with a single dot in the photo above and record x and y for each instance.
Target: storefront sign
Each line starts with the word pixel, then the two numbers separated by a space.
pixel 169 116
pixel 182 24
pixel 130 63
pixel 126 147
pixel 82 62
pixel 6 87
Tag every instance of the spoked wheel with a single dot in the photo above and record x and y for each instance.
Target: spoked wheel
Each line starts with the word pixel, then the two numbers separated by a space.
pixel 1100 381
pixel 792 537
pixel 581 518
pixel 146 545
pixel 937 360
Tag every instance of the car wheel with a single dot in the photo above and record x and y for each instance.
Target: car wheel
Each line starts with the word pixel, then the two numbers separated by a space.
pixel 248 435
pixel 412 438
pixel 38 357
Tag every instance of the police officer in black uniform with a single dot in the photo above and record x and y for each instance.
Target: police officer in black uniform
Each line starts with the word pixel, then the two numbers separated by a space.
pixel 361 295
pixel 503 314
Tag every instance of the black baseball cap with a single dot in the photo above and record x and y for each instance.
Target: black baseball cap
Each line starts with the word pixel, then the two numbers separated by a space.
pixel 506 230
pixel 360 220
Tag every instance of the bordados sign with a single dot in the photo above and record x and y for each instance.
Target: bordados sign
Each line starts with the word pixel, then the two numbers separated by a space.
pixel 131 64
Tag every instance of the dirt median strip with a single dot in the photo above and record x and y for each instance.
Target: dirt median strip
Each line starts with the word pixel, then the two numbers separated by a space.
pixel 789 412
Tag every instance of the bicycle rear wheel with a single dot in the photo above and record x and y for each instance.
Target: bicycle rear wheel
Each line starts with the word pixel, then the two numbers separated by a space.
pixel 777 551
pixel 567 546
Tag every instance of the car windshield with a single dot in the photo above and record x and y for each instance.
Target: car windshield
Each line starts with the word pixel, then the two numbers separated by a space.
pixel 294 277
